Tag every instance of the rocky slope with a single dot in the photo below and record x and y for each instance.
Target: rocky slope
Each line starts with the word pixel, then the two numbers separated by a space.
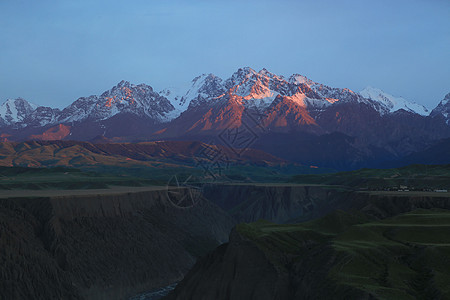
pixel 245 269
pixel 436 154
pixel 102 246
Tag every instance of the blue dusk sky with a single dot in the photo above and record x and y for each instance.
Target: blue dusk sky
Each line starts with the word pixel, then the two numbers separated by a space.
pixel 53 52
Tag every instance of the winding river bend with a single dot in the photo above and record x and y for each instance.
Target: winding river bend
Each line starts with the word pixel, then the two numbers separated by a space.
pixel 155 294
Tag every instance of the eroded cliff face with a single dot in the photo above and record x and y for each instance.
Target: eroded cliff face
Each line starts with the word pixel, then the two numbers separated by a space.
pixel 289 203
pixel 279 203
pixel 102 247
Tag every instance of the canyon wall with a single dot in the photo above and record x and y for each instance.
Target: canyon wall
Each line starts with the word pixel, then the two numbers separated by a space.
pixel 289 203
pixel 102 246
pixel 112 246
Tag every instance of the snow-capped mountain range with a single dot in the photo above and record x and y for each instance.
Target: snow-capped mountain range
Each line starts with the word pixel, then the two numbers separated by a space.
pixel 257 89
pixel 294 118
pixel 210 103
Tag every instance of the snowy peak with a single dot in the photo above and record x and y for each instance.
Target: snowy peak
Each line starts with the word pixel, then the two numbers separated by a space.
pixel 208 85
pixel 391 103
pixel 200 90
pixel 298 79
pixel 123 84
pixel 247 74
pixel 42 116
pixel 443 109
pixel 241 74
pixel 204 89
pixel 257 89
pixel 125 93
pixel 253 89
pixel 15 111
pixel 125 97
pixel 269 75
pixel 260 89
pixel 265 72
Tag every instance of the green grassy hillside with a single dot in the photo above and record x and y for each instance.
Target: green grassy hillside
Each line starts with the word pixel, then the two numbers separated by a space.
pixel 21 178
pixel 404 257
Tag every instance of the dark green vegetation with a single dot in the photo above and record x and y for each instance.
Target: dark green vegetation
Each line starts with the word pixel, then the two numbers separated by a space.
pixel 340 256
pixel 23 178
pixel 415 177
pixel 64 178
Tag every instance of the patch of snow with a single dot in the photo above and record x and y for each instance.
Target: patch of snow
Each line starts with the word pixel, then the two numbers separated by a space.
pixel 194 91
pixel 171 115
pixel 174 96
pixel 256 88
pixel 201 87
pixel 446 100
pixel 265 73
pixel 319 104
pixel 259 103
pixel 300 79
